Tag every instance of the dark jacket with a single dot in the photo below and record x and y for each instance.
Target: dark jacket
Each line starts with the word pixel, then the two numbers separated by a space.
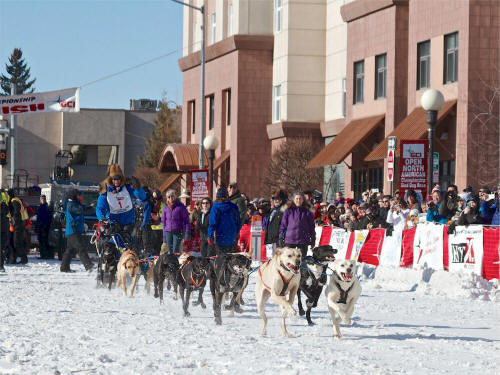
pixel 4 219
pixel 272 227
pixel 15 214
pixel 472 217
pixel 224 223
pixel 297 226
pixel 362 223
pixel 75 223
pixel 43 216
pixel 239 201
pixel 448 207
pixel 202 224
pixel 175 219
pixel 144 208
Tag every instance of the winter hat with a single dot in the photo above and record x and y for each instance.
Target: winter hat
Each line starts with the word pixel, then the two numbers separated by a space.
pixel 280 194
pixel 113 170
pixel 414 212
pixel 222 193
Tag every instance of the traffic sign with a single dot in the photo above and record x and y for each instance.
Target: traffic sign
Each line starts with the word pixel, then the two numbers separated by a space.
pixel 390 165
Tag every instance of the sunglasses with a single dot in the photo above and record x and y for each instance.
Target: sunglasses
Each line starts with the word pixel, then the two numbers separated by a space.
pixel 170 196
pixel 205 202
pixel 116 179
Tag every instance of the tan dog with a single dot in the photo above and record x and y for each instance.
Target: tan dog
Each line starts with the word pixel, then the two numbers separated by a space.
pixel 277 278
pixel 150 274
pixel 128 264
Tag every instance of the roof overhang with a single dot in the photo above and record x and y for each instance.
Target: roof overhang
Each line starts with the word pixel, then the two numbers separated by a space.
pixel 180 158
pixel 343 144
pixel 414 126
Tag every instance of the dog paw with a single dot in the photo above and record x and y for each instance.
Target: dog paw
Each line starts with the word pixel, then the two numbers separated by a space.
pixel 311 323
pixel 218 321
pixel 238 309
pixel 175 298
pixel 291 311
pixel 347 321
pixel 337 336
pixel 187 313
pixel 288 335
pixel 203 306
pixel 302 312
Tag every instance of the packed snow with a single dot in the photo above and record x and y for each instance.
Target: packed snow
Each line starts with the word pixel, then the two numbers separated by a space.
pixel 405 322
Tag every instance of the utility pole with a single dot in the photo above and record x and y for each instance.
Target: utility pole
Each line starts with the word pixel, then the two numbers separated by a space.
pixel 202 58
pixel 13 91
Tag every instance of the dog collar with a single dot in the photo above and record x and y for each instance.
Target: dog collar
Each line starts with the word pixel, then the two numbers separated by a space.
pixel 343 293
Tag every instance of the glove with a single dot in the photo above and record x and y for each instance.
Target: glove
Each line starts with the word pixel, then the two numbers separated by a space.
pixel 281 241
pixel 210 242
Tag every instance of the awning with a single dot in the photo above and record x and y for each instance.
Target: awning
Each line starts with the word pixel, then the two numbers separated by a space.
pixel 343 144
pixel 169 181
pixel 221 159
pixel 414 126
pixel 180 158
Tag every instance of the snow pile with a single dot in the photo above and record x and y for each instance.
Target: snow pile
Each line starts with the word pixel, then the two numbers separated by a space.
pixel 459 285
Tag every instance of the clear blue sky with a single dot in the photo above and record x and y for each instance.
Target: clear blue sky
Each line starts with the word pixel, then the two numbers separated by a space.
pixel 69 43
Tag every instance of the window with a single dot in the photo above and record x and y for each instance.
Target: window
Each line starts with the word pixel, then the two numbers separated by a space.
pixel 211 112
pixel 212 28
pixel 228 107
pixel 380 74
pixel 278 11
pixel 194 36
pixel 363 179
pixel 93 155
pixel 277 103
pixel 344 95
pixel 359 81
pixel 450 58
pixel 446 173
pixel 423 64
pixel 192 113
pixel 230 19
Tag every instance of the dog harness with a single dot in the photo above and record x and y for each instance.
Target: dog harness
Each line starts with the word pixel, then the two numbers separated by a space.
pixel 285 281
pixel 320 280
pixel 196 284
pixel 343 293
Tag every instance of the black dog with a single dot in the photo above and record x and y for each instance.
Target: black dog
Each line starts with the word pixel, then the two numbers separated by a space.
pixel 227 275
pixel 166 268
pixel 192 276
pixel 313 277
pixel 107 264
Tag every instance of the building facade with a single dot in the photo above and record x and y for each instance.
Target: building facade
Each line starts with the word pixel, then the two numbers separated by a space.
pixel 395 51
pixel 96 137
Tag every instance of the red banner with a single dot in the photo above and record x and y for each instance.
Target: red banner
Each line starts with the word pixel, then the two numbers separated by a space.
pixel 199 185
pixel 407 247
pixel 370 252
pixel 413 166
pixel 490 253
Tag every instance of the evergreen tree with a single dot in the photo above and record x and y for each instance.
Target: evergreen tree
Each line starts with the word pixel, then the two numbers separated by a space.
pixel 167 130
pixel 17 73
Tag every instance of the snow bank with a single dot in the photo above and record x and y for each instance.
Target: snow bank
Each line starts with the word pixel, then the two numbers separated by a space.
pixel 459 285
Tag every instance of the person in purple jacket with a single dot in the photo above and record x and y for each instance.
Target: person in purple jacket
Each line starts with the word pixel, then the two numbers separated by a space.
pixel 175 221
pixel 297 225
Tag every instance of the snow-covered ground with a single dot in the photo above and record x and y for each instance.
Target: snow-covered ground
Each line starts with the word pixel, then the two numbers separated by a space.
pixel 406 322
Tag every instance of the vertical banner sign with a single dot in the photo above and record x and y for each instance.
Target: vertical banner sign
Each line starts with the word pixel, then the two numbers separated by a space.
pixel 199 185
pixel 435 167
pixel 40 102
pixel 428 246
pixel 390 165
pixel 256 234
pixel 359 241
pixel 413 166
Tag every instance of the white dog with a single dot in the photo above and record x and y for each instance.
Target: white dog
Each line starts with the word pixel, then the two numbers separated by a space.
pixel 342 292
pixel 277 278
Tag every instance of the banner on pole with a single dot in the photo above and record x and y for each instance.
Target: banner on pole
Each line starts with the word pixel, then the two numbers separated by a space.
pixel 199 185
pixel 465 249
pixel 67 100
pixel 339 240
pixel 435 167
pixel 359 240
pixel 413 166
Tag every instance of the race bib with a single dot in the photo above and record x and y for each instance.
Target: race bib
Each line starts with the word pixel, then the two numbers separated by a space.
pixel 119 202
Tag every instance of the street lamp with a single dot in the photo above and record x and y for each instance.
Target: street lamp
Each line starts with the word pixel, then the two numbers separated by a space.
pixel 432 101
pixel 211 142
pixel 202 58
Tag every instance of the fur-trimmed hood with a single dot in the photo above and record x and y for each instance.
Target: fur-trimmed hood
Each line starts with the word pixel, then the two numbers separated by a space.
pixel 113 169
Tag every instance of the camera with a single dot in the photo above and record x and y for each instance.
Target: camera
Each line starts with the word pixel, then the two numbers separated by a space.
pixel 491 196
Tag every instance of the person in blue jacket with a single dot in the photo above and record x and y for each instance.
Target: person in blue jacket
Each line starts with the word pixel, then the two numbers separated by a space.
pixel 488 206
pixel 116 199
pixel 75 227
pixel 224 223
pixel 433 209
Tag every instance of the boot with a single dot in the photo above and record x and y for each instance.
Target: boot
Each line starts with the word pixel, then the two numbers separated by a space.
pixel 67 270
pixel 24 259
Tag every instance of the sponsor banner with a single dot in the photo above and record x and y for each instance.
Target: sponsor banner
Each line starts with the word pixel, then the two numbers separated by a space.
pixel 413 166
pixel 256 225
pixel 465 249
pixel 199 185
pixel 67 100
pixel 391 250
pixel 359 240
pixel 428 246
pixel 339 240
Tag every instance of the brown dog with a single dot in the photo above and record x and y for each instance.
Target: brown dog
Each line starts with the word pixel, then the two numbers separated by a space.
pixel 278 278
pixel 128 264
